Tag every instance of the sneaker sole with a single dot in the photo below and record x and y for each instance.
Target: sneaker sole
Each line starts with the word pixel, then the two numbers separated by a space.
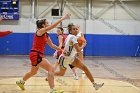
pixel 21 87
pixel 58 91
pixel 100 86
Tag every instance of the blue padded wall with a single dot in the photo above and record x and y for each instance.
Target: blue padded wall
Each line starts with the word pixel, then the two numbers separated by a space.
pixel 111 45
pixel 97 45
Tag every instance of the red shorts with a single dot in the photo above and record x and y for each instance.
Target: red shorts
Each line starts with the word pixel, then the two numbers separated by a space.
pixel 35 57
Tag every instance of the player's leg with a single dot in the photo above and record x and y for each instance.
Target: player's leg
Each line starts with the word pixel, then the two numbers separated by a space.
pixel 80 56
pixel 32 72
pixel 61 71
pixel 35 60
pixel 79 64
pixel 74 70
pixel 48 67
pixel 45 64
pixel 55 65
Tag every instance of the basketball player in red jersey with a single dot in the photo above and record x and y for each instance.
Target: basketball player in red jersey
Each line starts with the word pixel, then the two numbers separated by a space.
pixel 37 52
pixel 61 38
pixel 4 33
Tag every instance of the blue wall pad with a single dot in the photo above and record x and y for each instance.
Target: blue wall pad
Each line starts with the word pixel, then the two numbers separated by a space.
pixel 111 45
pixel 97 45
pixel 16 43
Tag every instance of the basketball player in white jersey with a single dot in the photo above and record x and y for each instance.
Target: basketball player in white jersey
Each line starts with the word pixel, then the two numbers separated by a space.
pixel 68 56
pixel 79 55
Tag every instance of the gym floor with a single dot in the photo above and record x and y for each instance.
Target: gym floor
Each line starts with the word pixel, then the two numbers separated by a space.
pixel 120 74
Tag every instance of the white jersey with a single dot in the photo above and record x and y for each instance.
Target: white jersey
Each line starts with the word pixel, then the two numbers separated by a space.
pixel 63 60
pixel 69 42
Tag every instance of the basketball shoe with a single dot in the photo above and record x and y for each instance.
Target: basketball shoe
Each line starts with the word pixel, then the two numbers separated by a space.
pixel 97 86
pixel 21 84
pixel 56 91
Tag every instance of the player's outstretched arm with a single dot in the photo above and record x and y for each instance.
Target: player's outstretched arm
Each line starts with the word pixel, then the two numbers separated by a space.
pixel 5 33
pixel 48 28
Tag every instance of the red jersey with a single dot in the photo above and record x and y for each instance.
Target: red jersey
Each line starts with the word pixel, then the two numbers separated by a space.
pixel 64 37
pixel 63 43
pixel 39 43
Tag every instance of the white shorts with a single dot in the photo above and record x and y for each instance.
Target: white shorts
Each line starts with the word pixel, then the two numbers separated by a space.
pixel 64 61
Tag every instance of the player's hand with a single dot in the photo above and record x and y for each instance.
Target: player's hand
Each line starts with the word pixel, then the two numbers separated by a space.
pixel 55 54
pixel 83 45
pixel 65 53
pixel 66 16
pixel 10 31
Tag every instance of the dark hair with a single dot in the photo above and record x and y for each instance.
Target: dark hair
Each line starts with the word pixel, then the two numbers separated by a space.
pixel 60 28
pixel 39 23
pixel 70 27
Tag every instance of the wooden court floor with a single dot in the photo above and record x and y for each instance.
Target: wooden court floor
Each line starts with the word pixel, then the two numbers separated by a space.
pixel 120 75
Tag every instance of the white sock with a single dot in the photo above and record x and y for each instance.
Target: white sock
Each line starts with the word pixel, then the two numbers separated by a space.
pixel 22 81
pixel 52 89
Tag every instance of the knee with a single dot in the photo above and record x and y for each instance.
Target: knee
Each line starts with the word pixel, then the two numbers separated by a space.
pixel 51 73
pixel 51 69
pixel 61 74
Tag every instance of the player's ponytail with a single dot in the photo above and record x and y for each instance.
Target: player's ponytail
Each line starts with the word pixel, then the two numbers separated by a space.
pixel 39 23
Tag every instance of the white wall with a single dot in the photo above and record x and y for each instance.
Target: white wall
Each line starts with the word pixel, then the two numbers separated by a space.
pixel 128 27
pixel 89 26
pixel 122 20
pixel 117 12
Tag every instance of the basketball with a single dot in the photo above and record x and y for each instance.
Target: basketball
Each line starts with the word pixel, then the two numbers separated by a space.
pixel 81 40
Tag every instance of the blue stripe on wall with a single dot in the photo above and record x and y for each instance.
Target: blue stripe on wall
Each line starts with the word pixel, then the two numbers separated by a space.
pixel 21 43
pixel 97 45
pixel 16 43
pixel 111 45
